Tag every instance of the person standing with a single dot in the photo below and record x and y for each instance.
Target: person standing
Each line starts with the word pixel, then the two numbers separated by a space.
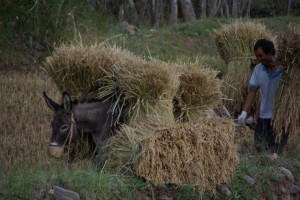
pixel 265 77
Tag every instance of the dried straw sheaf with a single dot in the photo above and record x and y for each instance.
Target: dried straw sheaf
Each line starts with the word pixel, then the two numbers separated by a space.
pixel 146 89
pixel 201 154
pixel 237 39
pixel 75 68
pixel 122 150
pixel 142 88
pixel 286 109
pixel 199 90
pixel 235 43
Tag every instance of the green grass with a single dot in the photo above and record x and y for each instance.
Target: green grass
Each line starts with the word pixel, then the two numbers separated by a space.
pixel 262 170
pixel 21 183
pixel 187 41
pixel 279 24
pixel 18 184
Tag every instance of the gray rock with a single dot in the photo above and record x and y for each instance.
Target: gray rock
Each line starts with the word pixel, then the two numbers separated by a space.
pixel 279 176
pixel 288 174
pixel 294 189
pixel 63 194
pixel 249 180
pixel 225 190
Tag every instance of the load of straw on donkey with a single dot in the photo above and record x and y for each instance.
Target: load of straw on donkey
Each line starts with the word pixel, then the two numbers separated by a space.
pixel 160 129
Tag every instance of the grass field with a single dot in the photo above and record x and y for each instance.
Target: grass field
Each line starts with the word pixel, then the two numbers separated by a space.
pixel 26 171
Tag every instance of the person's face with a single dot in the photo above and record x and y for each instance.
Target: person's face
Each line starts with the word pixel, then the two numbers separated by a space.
pixel 262 57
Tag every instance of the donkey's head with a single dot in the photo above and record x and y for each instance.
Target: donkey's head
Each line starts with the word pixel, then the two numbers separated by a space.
pixel 61 124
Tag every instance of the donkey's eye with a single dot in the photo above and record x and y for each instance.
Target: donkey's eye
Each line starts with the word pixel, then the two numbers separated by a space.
pixel 64 128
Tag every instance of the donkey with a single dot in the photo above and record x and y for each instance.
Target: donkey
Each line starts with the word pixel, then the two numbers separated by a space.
pixel 73 120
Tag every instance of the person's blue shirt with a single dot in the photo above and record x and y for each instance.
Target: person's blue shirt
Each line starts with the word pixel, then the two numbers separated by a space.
pixel 268 84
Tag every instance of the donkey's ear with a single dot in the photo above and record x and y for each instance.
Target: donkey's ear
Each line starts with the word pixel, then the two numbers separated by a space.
pixel 50 103
pixel 67 102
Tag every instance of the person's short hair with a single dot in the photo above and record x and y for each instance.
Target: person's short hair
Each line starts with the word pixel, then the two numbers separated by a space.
pixel 266 45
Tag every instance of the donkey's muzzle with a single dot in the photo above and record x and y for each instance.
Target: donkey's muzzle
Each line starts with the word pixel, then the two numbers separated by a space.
pixel 55 151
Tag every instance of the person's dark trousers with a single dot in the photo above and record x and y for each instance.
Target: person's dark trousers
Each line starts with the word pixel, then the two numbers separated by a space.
pixel 265 139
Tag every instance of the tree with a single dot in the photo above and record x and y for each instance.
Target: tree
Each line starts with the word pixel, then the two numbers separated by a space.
pixel 226 8
pixel 202 8
pixel 289 3
pixel 214 7
pixel 234 10
pixel 174 12
pixel 187 10
pixel 156 12
pixel 133 13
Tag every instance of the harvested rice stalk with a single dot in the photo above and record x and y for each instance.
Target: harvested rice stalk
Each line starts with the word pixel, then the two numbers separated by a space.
pixel 75 67
pixel 237 39
pixel 123 149
pixel 89 72
pixel 202 154
pixel 198 91
pixel 147 89
pixel 286 109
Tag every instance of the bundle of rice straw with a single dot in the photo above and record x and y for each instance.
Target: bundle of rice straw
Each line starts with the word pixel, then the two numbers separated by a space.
pixel 201 154
pixel 286 109
pixel 236 40
pixel 199 90
pixel 122 150
pixel 75 68
pixel 235 43
pixel 146 89
pixel 142 88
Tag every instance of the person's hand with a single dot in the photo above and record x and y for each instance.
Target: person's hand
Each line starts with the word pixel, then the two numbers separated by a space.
pixel 242 118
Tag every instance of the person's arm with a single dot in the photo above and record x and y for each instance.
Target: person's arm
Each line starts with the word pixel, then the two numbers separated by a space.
pixel 249 99
pixel 253 87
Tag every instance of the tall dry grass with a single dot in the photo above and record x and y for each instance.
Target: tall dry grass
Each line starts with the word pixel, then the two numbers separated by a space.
pixel 25 118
